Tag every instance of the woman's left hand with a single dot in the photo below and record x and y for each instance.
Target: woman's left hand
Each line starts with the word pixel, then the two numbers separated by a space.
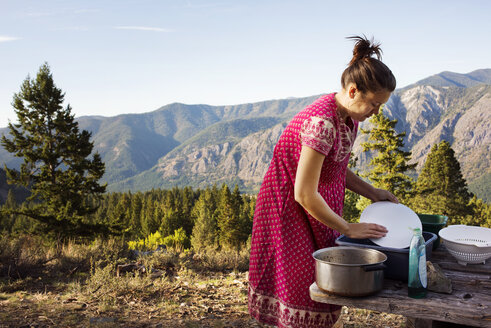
pixel 382 194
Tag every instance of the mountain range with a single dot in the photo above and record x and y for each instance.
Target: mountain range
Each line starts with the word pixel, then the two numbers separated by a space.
pixel 198 145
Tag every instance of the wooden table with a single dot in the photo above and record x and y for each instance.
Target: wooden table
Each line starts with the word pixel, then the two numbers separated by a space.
pixel 469 304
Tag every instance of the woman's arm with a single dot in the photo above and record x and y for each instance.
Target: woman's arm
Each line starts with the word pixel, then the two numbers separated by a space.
pixel 356 184
pixel 307 195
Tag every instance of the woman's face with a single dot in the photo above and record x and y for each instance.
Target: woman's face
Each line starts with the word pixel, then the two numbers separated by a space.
pixel 363 105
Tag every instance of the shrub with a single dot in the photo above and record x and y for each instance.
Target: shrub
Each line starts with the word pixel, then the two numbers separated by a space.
pixel 178 241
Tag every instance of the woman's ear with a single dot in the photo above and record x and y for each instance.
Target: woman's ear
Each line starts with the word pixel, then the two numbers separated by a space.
pixel 352 91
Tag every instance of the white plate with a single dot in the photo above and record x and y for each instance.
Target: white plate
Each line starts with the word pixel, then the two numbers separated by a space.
pixel 399 220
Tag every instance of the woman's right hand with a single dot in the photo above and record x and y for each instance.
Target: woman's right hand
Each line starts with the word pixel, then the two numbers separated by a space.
pixel 365 230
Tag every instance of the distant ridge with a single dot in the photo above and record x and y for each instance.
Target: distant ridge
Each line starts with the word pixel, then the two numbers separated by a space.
pixel 198 145
pixel 450 79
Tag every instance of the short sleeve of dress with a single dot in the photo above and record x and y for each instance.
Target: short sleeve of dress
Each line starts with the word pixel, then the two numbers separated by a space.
pixel 318 133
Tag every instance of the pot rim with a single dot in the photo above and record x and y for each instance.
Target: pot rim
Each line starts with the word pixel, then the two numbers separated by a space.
pixel 322 250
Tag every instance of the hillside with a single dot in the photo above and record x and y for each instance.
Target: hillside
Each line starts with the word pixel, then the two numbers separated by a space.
pixel 450 79
pixel 132 143
pixel 199 145
pixel 431 114
pixel 427 113
pixel 203 161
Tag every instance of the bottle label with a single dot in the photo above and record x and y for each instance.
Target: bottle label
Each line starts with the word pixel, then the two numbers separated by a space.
pixel 422 269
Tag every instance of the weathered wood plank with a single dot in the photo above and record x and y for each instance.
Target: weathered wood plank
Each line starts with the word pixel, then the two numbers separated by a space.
pixel 446 261
pixel 454 266
pixel 425 323
pixel 469 303
pixel 419 323
pixel 475 311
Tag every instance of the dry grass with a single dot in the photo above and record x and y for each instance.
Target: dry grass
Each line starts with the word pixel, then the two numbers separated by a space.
pixel 73 285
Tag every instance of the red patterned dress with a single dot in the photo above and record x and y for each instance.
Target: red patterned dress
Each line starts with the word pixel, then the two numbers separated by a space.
pixel 284 235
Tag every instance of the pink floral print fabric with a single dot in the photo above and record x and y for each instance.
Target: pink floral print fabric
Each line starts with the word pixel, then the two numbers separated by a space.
pixel 284 235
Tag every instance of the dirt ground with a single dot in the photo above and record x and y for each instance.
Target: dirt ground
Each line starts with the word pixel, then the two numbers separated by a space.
pixel 184 301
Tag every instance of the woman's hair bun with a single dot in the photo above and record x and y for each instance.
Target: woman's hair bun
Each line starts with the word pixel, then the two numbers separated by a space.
pixel 364 48
pixel 367 72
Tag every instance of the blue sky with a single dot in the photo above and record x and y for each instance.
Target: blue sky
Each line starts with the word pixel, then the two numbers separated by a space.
pixel 121 56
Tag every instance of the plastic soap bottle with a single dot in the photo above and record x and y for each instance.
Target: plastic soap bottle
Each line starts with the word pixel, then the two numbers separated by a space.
pixel 417 280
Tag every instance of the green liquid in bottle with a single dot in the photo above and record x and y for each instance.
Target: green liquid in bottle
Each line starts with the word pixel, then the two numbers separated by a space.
pixel 418 292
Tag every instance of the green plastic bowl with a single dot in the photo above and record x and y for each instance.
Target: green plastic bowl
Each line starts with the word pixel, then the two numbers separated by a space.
pixel 433 223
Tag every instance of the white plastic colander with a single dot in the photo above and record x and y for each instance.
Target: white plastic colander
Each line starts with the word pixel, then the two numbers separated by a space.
pixel 468 244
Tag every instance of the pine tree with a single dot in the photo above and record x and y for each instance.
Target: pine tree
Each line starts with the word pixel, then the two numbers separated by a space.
pixel 171 221
pixel 237 201
pixel 57 167
pixel 480 214
pixel 205 230
pixel 230 232
pixel 136 208
pixel 247 216
pixel 243 211
pixel 186 208
pixel 7 220
pixel 441 188
pixel 101 215
pixel 120 214
pixel 150 216
pixel 389 166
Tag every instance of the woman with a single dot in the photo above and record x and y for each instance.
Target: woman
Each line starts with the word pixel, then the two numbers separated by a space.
pixel 300 203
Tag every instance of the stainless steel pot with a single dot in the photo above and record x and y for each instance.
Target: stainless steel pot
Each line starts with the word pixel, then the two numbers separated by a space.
pixel 349 271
